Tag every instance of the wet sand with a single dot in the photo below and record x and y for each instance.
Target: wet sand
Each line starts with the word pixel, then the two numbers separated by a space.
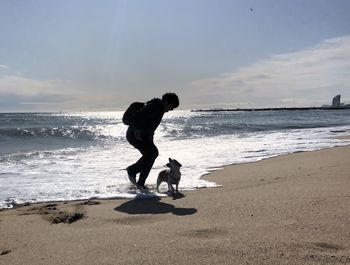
pixel 292 209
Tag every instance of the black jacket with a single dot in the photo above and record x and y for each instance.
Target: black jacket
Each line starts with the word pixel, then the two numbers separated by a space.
pixel 149 117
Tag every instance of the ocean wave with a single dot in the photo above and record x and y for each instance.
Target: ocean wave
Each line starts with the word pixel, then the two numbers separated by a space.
pixel 85 155
pixel 30 140
pixel 70 132
pixel 39 154
pixel 190 131
pixel 239 123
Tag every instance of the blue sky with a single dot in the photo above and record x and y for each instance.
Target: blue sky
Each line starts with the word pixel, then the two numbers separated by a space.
pixel 102 55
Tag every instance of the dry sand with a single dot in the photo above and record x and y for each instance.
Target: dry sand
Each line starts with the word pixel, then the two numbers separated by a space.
pixel 292 209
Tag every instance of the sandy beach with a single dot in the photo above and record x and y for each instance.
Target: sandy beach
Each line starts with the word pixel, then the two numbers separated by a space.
pixel 291 209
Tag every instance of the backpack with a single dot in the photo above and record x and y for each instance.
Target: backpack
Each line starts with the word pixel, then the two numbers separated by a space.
pixel 129 114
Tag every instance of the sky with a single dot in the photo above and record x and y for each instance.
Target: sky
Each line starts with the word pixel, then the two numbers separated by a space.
pixel 85 55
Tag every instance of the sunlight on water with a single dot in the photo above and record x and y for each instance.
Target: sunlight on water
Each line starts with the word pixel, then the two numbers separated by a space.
pixel 48 157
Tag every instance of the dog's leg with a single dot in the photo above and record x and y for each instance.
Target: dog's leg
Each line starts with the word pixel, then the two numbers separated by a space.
pixel 170 187
pixel 159 181
pixel 177 187
pixel 161 178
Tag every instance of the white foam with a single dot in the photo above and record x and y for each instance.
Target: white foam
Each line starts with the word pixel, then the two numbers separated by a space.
pixel 98 171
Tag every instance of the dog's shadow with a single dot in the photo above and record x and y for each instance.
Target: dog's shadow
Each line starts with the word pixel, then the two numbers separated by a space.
pixel 152 206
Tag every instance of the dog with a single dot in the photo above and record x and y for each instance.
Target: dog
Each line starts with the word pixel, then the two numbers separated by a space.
pixel 170 176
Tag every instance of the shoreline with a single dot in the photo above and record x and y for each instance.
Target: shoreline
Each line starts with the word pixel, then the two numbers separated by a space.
pixel 154 195
pixel 289 209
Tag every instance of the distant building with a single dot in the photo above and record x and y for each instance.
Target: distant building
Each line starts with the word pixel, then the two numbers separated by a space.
pixel 336 101
pixel 337 104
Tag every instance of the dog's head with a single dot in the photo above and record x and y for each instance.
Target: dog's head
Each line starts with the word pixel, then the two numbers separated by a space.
pixel 173 164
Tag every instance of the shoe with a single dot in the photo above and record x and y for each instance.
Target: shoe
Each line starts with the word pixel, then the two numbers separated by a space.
pixel 132 176
pixel 142 187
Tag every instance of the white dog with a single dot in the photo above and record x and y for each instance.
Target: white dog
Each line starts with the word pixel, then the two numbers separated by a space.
pixel 170 176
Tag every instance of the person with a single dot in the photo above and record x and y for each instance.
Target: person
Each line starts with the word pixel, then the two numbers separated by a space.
pixel 141 132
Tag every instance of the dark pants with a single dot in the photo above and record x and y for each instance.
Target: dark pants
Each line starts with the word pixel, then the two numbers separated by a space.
pixel 149 154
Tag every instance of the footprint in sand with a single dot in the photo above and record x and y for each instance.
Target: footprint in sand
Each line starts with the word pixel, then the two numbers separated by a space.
pixel 204 233
pixel 327 246
pixel 5 252
pixel 138 220
pixel 55 213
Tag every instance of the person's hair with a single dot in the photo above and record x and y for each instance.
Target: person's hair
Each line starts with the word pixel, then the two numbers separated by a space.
pixel 171 98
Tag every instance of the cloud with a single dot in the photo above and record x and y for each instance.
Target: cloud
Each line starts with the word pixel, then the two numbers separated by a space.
pixel 310 76
pixel 14 102
pixel 3 66
pixel 23 86
pixel 18 91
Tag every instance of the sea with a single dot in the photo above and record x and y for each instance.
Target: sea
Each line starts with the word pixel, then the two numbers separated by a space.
pixel 47 157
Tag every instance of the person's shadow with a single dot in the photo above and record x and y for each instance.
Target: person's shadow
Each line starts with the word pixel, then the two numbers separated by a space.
pixel 152 206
